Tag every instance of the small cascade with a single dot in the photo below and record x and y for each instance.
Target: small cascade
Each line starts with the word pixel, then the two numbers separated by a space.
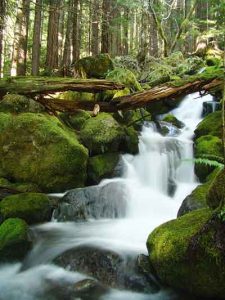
pixel 114 217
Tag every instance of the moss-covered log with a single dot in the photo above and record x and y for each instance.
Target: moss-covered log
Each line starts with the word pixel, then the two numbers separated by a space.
pixel 32 86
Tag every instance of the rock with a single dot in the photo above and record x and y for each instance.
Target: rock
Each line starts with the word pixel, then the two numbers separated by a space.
pixel 216 194
pixel 14 240
pixel 173 120
pixel 102 166
pixel 107 201
pixel 75 120
pixel 210 147
pixel 210 107
pixel 31 207
pixel 89 289
pixel 94 67
pixel 210 125
pixel 188 254
pixel 103 134
pixel 14 103
pixel 125 77
pixel 78 96
pixel 17 187
pixel 108 267
pixel 38 149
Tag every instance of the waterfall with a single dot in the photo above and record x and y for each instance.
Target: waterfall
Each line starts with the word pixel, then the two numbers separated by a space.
pixel 156 181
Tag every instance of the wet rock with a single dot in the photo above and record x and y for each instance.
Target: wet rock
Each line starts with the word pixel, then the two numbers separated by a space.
pixel 210 107
pixel 173 120
pixel 109 267
pixel 107 201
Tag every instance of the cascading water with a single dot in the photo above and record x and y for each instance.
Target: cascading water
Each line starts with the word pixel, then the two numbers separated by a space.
pixel 153 186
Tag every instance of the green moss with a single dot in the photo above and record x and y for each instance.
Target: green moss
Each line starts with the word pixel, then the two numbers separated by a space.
pixel 208 145
pixel 216 194
pixel 31 207
pixel 16 104
pixel 21 187
pixel 210 125
pixel 103 134
pixel 173 120
pixel 78 96
pixel 186 257
pixel 102 166
pixel 38 149
pixel 14 242
pixel 75 120
pixel 5 120
pixel 96 67
pixel 125 77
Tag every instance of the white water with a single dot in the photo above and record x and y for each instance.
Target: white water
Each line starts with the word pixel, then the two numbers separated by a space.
pixel 146 177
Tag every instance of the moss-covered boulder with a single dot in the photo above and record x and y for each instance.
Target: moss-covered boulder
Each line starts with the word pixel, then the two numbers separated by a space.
pixel 216 194
pixel 38 149
pixel 185 254
pixel 125 77
pixel 78 96
pixel 14 240
pixel 102 166
pixel 209 147
pixel 198 198
pixel 16 104
pixel 173 120
pixel 210 125
pixel 31 207
pixel 20 187
pixel 104 134
pixel 75 120
pixel 94 66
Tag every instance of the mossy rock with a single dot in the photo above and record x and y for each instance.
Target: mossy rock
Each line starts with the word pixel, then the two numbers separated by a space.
pixel 16 104
pixel 109 95
pixel 20 187
pixel 185 255
pixel 125 77
pixel 104 134
pixel 213 61
pixel 210 147
pixel 78 96
pixel 38 149
pixel 173 120
pixel 102 166
pixel 75 120
pixel 94 67
pixel 210 125
pixel 14 240
pixel 197 199
pixel 216 194
pixel 31 207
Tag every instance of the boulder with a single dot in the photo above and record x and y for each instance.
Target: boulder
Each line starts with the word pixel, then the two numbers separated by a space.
pixel 38 149
pixel 106 201
pixel 102 166
pixel 78 96
pixel 75 120
pixel 14 240
pixel 216 194
pixel 173 120
pixel 104 134
pixel 31 207
pixel 210 125
pixel 14 103
pixel 94 67
pixel 108 267
pixel 188 254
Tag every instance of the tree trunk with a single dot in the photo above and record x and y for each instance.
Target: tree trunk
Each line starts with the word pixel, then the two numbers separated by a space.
pixel 66 62
pixel 105 39
pixel 77 12
pixel 95 27
pixel 61 35
pixel 125 30
pixel 36 38
pixel 153 38
pixel 2 17
pixel 52 40
pixel 201 13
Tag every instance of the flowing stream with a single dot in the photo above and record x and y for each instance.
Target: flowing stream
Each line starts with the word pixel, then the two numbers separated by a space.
pixel 153 185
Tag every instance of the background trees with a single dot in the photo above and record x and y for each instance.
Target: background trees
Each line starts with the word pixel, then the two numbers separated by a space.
pixel 41 36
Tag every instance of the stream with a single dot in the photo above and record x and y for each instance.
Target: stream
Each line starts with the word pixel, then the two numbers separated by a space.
pixel 150 192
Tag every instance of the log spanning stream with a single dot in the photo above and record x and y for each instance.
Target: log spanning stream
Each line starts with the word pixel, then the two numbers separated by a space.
pixel 150 192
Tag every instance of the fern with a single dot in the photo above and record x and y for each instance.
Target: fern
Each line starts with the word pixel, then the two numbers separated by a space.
pixel 207 162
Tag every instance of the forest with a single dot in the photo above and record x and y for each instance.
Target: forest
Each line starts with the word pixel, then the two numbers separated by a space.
pixel 112 149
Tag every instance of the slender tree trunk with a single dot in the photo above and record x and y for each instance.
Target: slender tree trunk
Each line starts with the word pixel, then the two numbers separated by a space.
pixel 125 30
pixel 95 27
pixel 2 18
pixel 105 39
pixel 36 38
pixel 201 14
pixel 153 38
pixel 61 34
pixel 77 13
pixel 52 40
pixel 68 40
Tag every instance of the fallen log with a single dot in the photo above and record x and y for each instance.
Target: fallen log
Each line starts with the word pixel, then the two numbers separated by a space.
pixel 159 93
pixel 31 86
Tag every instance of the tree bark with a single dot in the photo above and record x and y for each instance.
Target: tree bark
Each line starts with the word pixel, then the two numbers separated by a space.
pixel 66 62
pixel 95 27
pixel 36 38
pixel 52 39
pixel 2 18
pixel 105 39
